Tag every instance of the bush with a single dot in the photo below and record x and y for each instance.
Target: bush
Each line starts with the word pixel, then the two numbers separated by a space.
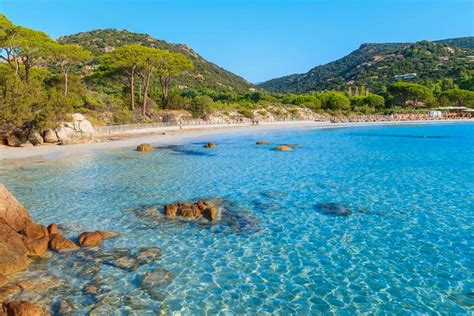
pixel 247 113
pixel 335 101
pixel 200 106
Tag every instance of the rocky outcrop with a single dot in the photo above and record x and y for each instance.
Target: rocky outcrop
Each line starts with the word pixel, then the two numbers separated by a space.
pixel 21 308
pixel 12 260
pixel 199 209
pixel 35 138
pixel 263 142
pixel 50 136
pixel 21 238
pixel 210 146
pixel 175 116
pixel 3 280
pixel 12 212
pixel 53 229
pixel 145 148
pixel 79 130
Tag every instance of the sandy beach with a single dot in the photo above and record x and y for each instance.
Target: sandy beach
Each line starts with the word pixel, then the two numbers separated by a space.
pixel 174 135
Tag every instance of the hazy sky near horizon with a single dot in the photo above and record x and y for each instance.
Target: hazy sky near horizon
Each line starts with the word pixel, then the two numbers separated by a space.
pixel 259 39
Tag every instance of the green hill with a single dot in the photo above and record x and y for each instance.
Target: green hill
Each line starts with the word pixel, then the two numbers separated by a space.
pixel 205 75
pixel 377 65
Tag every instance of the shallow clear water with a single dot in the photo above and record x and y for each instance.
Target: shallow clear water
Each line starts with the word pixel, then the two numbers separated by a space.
pixel 407 247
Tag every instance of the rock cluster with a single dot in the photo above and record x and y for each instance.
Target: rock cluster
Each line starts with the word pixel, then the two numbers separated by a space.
pixel 21 238
pixel 79 130
pixel 197 210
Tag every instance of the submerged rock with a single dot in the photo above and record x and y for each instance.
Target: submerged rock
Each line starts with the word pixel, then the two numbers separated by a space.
pixel 157 278
pixel 293 145
pixel 146 255
pixel 22 308
pixel 210 145
pixel 107 234
pixel 145 148
pixel 335 209
pixel 283 148
pixel 125 263
pixel 40 284
pixel 8 291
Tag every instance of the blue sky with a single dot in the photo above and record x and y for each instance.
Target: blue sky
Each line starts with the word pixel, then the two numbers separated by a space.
pixel 259 39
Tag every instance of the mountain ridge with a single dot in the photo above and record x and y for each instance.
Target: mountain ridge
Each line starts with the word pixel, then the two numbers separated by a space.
pixel 392 59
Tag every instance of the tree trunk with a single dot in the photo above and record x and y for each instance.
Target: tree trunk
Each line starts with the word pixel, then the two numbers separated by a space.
pixel 132 87
pixel 65 83
pixel 65 73
pixel 145 93
pixel 140 92
pixel 164 82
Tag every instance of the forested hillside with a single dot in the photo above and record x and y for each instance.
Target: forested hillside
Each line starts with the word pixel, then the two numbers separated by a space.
pixel 376 66
pixel 204 75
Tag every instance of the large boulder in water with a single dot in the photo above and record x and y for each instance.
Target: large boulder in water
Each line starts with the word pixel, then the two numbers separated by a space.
pixel 90 239
pixel 335 209
pixel 283 148
pixel 210 145
pixel 60 243
pixel 144 148
pixel 12 212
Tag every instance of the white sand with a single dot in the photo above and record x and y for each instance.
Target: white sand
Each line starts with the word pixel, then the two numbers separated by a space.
pixel 174 135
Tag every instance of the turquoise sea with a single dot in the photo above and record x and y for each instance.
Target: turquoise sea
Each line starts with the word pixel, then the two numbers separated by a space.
pixel 406 248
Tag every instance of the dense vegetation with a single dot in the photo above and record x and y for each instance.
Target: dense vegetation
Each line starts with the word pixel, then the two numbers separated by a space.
pixel 376 66
pixel 118 77
pixel 204 75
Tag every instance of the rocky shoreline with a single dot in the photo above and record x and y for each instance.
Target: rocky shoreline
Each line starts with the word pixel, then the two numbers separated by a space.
pixel 26 289
pixel 23 241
